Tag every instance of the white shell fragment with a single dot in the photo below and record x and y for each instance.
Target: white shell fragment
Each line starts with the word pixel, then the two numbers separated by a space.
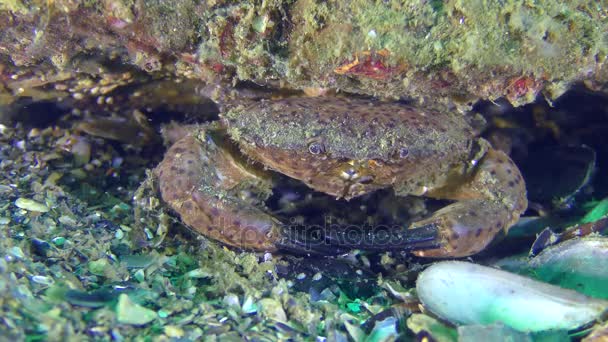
pixel 466 293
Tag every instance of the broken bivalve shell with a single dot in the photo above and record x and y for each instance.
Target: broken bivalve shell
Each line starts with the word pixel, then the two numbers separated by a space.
pixel 466 293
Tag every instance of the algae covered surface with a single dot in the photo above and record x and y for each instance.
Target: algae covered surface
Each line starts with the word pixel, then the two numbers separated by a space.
pixel 448 52
pixel 90 253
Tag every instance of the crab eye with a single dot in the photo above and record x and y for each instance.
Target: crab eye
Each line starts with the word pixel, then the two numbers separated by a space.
pixel 316 148
pixel 403 152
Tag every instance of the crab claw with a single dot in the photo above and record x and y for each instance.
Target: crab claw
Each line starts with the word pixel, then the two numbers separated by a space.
pixel 307 241
pixel 202 181
pixel 384 238
pixel 489 203
pixel 340 240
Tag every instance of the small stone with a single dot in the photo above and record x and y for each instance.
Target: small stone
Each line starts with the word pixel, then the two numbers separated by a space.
pixel 149 234
pixel 232 300
pixel 385 330
pixel 58 241
pixel 267 257
pixel 81 150
pixel 140 276
pixel 67 220
pixel 327 295
pixel 174 331
pixel 5 220
pixel 43 280
pixel 17 252
pixel 31 205
pixel 198 273
pixel 163 313
pixel 125 228
pixel 97 267
pixel 128 312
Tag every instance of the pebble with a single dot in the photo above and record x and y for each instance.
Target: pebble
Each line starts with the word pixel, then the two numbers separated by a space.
pixel 232 300
pixel 43 280
pixel 17 252
pixel 140 275
pixel 58 241
pixel 67 220
pixel 31 205
pixel 174 331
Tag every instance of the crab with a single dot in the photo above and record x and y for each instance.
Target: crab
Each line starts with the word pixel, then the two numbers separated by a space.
pixel 217 175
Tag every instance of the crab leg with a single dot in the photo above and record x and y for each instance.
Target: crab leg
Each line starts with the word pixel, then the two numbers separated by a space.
pixel 201 180
pixel 490 202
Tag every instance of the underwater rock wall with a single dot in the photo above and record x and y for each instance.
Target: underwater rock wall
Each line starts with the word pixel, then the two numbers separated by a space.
pixel 453 52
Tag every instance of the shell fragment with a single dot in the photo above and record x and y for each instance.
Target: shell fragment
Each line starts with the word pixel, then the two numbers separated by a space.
pixel 466 293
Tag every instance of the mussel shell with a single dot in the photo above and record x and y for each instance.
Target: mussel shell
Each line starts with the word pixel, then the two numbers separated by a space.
pixel 578 264
pixel 556 175
pixel 466 293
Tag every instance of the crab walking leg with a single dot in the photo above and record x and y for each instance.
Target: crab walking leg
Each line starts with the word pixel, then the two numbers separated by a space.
pixel 203 183
pixel 490 202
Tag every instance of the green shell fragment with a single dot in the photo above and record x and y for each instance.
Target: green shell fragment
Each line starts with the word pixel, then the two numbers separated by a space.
pixel 128 312
pixel 599 211
pixel 31 205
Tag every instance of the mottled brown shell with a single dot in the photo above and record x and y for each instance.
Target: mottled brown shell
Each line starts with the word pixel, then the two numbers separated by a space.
pixel 384 144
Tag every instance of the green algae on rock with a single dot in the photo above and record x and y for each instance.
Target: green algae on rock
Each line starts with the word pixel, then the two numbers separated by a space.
pixel 435 51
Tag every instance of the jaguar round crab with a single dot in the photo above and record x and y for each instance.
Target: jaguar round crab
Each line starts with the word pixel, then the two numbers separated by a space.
pixel 215 177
